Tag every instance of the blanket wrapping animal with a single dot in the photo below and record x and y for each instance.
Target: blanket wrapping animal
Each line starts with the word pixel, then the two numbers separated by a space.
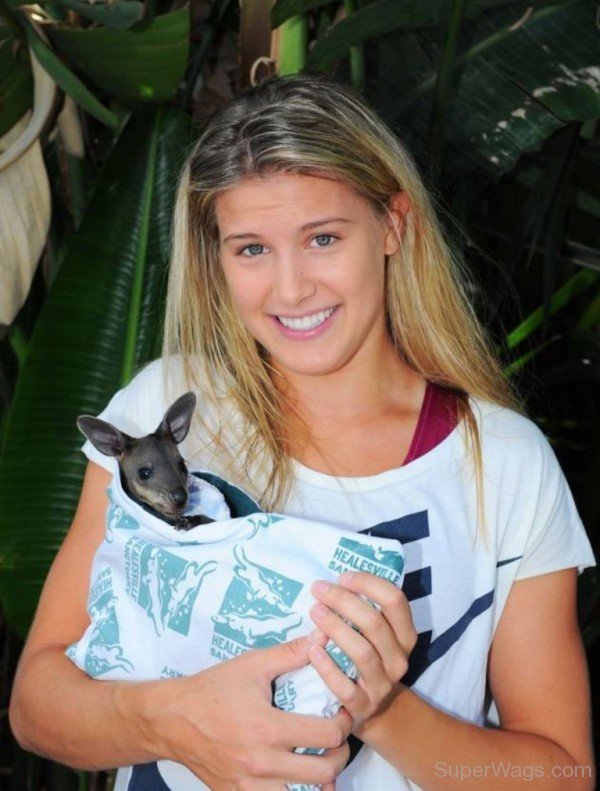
pixel 167 603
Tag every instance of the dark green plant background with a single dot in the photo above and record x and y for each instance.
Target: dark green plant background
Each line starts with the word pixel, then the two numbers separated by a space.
pixel 499 101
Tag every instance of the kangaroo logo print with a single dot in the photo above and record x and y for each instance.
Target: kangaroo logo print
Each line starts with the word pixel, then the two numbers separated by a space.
pixel 118 519
pixel 164 585
pixel 256 610
pixel 104 651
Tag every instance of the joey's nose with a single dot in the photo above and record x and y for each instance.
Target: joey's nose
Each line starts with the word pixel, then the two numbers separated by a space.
pixel 178 496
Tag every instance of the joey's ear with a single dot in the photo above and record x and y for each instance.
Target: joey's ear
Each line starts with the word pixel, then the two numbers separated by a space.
pixel 178 417
pixel 103 436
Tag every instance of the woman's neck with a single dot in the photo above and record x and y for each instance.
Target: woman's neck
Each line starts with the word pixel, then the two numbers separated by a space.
pixel 358 420
pixel 361 387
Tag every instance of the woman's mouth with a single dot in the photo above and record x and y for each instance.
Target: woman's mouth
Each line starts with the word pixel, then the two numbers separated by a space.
pixel 306 326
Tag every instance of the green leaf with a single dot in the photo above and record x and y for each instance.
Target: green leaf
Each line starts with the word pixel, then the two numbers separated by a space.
pixel 591 316
pixel 372 20
pixel 572 288
pixel 66 80
pixel 100 322
pixel 144 63
pixel 445 72
pixel 16 82
pixel 515 85
pixel 543 82
pixel 116 16
pixel 286 9
pixel 383 16
pixel 521 362
pixel 357 55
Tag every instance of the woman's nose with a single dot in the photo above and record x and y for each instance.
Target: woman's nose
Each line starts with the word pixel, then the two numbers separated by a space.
pixel 292 282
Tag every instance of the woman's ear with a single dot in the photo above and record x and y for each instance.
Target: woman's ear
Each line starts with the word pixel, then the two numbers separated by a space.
pixel 398 208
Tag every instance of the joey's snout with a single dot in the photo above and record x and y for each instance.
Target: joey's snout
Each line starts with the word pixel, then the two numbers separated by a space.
pixel 179 497
pixel 168 498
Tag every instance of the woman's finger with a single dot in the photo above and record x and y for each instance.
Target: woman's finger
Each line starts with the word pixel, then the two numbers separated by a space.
pixel 339 758
pixel 290 730
pixel 345 690
pixel 364 653
pixel 379 639
pixel 299 768
pixel 391 599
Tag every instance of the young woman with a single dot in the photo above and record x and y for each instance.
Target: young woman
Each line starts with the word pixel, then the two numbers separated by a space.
pixel 317 312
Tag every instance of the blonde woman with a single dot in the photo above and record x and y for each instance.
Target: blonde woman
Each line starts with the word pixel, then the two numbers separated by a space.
pixel 342 375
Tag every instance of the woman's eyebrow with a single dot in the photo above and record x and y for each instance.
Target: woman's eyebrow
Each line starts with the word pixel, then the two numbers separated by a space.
pixel 307 226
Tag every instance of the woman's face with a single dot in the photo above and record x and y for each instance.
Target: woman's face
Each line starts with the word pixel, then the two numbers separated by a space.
pixel 304 259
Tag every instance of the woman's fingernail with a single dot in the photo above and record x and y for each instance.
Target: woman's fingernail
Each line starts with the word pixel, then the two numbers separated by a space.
pixel 319 610
pixel 316 637
pixel 347 576
pixel 320 587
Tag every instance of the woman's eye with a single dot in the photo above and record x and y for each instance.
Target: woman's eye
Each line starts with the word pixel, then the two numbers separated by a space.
pixel 252 250
pixel 144 473
pixel 324 239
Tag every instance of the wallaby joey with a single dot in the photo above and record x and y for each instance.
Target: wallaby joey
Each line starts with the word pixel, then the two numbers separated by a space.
pixel 153 473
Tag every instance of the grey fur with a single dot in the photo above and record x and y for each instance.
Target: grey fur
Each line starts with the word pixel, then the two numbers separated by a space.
pixel 153 472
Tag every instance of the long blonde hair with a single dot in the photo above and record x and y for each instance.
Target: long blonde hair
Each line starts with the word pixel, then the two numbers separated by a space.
pixel 313 124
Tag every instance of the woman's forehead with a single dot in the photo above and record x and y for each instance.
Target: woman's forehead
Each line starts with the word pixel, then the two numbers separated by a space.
pixel 286 194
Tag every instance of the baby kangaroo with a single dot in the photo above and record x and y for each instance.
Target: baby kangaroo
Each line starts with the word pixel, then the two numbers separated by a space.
pixel 153 473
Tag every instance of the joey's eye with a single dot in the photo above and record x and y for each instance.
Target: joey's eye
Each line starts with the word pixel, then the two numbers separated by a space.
pixel 144 473
pixel 252 250
pixel 324 239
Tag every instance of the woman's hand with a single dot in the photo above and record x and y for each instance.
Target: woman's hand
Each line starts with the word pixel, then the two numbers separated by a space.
pixel 221 724
pixel 380 651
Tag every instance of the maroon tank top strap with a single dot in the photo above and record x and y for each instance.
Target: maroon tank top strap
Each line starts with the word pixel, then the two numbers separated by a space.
pixel 438 417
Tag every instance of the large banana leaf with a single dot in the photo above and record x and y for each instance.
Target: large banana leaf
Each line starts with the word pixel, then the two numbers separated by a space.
pixel 516 79
pixel 517 91
pixel 100 321
pixel 16 82
pixel 116 16
pixel 69 82
pixel 146 62
pixel 381 16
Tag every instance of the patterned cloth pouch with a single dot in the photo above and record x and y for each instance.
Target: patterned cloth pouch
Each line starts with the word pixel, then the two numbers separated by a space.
pixel 166 603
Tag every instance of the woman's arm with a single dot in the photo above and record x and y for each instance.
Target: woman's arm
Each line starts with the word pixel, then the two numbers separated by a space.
pixel 537 675
pixel 55 707
pixel 220 722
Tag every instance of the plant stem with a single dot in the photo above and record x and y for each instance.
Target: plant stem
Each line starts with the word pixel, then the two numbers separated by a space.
pixel 445 72
pixel 293 43
pixel 197 59
pixel 572 288
pixel 357 55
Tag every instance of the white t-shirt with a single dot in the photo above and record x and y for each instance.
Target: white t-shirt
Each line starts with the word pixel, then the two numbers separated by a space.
pixel 456 582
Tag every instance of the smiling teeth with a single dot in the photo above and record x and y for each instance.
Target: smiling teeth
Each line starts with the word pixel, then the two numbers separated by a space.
pixel 306 322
